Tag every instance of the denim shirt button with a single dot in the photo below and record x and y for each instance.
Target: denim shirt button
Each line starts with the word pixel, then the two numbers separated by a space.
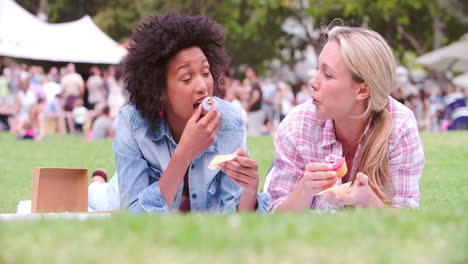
pixel 194 196
pixel 193 166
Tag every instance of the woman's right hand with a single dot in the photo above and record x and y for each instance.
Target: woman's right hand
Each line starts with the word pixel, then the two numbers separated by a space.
pixel 199 133
pixel 317 177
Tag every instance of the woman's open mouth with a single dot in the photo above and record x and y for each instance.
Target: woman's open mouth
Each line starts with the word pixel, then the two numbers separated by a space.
pixel 195 105
pixel 198 102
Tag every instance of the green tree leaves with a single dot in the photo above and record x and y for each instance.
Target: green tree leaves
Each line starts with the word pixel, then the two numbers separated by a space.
pixel 254 30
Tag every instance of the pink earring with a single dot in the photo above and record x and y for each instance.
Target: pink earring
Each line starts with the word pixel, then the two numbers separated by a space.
pixel 161 113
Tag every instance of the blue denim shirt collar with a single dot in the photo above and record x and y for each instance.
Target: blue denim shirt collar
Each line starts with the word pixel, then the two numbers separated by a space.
pixel 163 130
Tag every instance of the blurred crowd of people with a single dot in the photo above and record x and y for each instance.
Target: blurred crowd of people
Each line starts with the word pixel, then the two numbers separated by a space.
pixel 265 103
pixel 34 103
pixel 435 109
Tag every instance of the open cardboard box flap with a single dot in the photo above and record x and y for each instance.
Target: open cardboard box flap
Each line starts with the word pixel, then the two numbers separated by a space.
pixel 59 190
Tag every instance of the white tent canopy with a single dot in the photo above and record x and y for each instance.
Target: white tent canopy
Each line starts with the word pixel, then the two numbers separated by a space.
pixel 22 35
pixel 461 80
pixel 453 57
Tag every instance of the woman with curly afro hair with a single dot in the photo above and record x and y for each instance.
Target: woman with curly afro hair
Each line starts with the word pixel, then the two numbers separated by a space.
pixel 163 142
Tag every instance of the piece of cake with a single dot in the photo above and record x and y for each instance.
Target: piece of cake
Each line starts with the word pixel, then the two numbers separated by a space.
pixel 342 189
pixel 220 159
pixel 339 165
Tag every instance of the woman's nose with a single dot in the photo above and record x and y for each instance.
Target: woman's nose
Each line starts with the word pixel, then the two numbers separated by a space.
pixel 201 85
pixel 313 82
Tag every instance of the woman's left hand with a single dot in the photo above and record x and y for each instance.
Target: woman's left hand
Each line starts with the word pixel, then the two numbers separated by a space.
pixel 360 194
pixel 242 170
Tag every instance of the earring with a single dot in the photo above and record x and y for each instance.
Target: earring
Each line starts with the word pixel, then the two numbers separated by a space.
pixel 161 112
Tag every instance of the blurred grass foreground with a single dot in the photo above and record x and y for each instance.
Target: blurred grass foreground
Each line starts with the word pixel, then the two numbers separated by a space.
pixel 436 233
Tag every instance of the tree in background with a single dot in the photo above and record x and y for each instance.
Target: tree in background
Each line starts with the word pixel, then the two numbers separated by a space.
pixel 411 27
pixel 254 29
pixel 417 25
pixel 253 32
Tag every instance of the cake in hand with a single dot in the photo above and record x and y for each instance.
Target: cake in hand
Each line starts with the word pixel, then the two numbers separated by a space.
pixel 220 159
pixel 207 104
pixel 339 165
pixel 340 190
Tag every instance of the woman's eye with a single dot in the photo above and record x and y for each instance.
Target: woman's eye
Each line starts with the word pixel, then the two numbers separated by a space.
pixel 206 74
pixel 328 76
pixel 186 79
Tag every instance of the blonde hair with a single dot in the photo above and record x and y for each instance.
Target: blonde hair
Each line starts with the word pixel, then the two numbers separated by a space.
pixel 370 60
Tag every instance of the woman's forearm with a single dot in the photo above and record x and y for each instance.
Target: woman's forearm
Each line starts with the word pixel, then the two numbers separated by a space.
pixel 371 201
pixel 174 175
pixel 247 201
pixel 297 201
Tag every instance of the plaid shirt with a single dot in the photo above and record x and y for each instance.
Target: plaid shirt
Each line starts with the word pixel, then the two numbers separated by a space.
pixel 303 138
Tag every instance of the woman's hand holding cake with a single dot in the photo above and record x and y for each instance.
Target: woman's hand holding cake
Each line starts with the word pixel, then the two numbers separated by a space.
pixel 242 170
pixel 317 177
pixel 321 176
pixel 208 103
pixel 199 133
pixel 338 165
pixel 359 194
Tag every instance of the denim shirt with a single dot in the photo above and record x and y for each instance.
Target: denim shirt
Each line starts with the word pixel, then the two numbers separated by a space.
pixel 142 155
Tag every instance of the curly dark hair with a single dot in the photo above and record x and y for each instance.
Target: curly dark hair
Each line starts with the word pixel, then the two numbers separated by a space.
pixel 154 42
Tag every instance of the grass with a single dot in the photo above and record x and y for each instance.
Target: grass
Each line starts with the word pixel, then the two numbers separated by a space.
pixel 437 233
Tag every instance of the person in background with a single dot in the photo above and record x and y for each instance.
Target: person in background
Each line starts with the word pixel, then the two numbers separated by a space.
pixel 54 116
pixel 53 75
pixel 80 115
pixel 232 94
pixel 33 128
pixel 36 82
pixel 72 84
pixel 95 86
pixel 5 107
pixel 4 92
pixel 304 94
pixel 53 107
pixel 270 102
pixel 14 80
pixel 255 114
pixel 287 99
pixel 24 100
pixel 116 99
pixel 102 126
pixel 72 88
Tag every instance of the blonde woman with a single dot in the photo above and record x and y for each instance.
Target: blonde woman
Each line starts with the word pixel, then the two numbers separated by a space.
pixel 350 115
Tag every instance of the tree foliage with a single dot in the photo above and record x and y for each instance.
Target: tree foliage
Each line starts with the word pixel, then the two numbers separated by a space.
pixel 253 31
pixel 417 25
pixel 254 28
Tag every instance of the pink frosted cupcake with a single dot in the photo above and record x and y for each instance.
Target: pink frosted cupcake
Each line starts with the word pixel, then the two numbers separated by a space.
pixel 339 165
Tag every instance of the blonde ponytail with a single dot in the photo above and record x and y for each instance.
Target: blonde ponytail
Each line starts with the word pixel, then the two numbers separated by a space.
pixel 370 60
pixel 373 160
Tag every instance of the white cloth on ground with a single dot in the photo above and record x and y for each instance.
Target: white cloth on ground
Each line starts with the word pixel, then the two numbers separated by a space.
pixel 104 196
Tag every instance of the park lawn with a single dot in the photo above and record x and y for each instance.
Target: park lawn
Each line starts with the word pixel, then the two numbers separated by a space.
pixel 437 233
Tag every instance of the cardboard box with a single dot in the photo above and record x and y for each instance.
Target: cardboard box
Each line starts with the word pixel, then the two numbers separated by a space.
pixel 59 190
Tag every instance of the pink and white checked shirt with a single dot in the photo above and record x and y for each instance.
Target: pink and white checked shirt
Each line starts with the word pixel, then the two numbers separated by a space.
pixel 303 138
